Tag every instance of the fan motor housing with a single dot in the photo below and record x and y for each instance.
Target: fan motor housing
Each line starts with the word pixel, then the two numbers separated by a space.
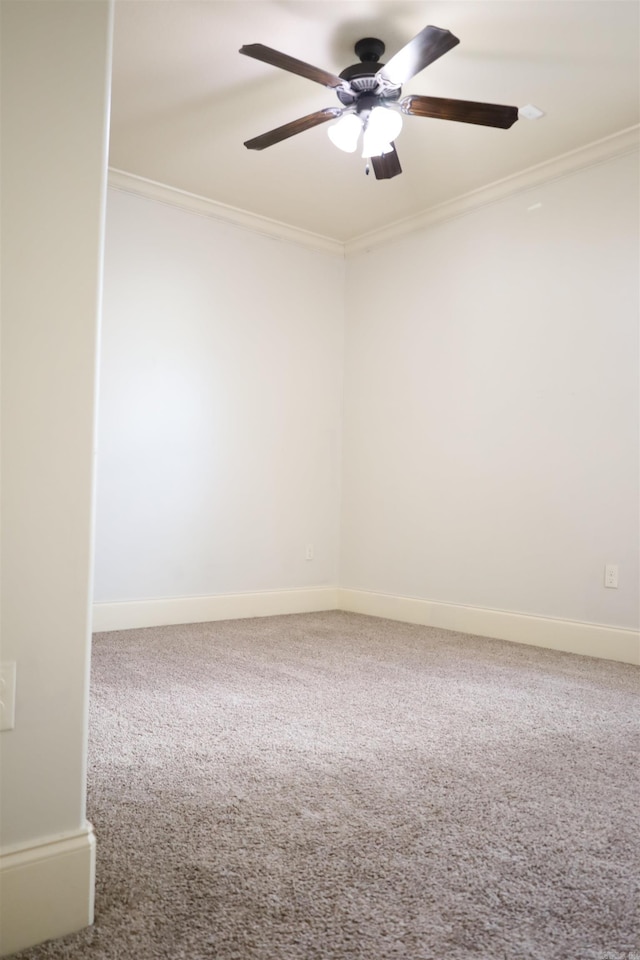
pixel 361 76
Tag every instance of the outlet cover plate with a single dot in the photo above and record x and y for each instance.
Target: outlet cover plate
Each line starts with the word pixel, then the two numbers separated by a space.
pixel 611 576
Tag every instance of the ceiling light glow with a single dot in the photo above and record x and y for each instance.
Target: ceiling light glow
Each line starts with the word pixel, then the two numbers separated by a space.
pixel 344 134
pixel 383 126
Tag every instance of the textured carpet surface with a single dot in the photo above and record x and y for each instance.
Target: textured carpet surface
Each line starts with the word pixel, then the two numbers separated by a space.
pixel 338 787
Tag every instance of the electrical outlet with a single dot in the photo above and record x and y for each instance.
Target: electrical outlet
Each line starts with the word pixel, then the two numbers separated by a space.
pixel 308 554
pixel 611 576
pixel 7 696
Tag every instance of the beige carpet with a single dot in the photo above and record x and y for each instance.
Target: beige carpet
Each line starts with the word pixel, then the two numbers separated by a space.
pixel 338 787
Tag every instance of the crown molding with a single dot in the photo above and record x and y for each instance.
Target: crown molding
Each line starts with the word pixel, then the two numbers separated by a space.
pixel 609 148
pixel 152 190
pixel 617 145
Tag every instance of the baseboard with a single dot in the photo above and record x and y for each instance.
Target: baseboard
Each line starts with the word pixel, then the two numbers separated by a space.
pixel 155 613
pixel 46 890
pixel 588 639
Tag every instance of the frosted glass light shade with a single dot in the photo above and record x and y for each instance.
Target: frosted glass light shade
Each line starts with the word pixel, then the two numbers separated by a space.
pixel 383 126
pixel 344 134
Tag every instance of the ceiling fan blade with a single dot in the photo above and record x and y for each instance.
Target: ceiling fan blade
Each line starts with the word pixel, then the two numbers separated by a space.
pixel 464 111
pixel 425 47
pixel 386 166
pixel 259 52
pixel 290 129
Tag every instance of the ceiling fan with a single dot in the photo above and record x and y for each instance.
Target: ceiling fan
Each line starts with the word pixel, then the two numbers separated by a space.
pixel 370 91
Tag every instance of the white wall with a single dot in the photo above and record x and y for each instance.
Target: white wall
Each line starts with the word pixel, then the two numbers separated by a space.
pixel 220 407
pixel 491 405
pixel 55 62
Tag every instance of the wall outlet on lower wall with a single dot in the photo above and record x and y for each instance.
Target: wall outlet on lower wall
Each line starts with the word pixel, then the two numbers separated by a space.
pixel 308 553
pixel 611 576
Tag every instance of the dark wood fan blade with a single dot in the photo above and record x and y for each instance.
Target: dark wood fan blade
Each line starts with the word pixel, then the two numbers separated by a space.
pixel 386 166
pixel 425 47
pixel 259 52
pixel 290 129
pixel 464 111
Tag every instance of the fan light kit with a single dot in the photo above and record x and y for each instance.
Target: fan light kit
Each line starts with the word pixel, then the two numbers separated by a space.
pixel 370 92
pixel 379 129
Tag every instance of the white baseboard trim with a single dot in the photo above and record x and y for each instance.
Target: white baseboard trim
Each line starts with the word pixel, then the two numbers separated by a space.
pixel 156 613
pixel 588 639
pixel 46 890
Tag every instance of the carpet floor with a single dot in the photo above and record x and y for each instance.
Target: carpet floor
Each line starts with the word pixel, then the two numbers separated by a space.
pixel 337 787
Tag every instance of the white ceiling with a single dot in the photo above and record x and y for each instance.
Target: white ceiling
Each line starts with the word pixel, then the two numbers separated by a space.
pixel 184 99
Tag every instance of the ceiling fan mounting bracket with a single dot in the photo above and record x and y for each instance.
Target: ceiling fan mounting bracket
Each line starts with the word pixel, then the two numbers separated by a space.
pixel 369 49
